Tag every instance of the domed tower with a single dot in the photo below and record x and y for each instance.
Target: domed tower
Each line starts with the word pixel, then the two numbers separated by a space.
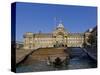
pixel 60 28
pixel 60 36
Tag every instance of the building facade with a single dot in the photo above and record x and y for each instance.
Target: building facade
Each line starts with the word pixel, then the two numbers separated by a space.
pixel 91 37
pixel 58 38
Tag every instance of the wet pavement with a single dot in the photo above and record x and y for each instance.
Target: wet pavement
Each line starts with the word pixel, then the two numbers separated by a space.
pixel 78 60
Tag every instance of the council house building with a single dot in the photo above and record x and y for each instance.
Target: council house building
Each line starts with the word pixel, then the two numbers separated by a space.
pixel 58 38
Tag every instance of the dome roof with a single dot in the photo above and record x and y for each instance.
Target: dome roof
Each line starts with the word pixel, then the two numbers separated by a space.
pixel 60 25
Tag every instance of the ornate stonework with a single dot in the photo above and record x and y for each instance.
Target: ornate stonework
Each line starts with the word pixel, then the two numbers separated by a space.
pixel 58 38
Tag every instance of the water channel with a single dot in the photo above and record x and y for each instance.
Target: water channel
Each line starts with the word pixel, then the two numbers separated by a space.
pixel 78 60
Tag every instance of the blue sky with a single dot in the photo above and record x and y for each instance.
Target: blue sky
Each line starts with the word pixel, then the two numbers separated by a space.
pixel 32 17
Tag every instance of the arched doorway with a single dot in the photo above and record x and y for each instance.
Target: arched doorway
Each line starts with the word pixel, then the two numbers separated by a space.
pixel 65 45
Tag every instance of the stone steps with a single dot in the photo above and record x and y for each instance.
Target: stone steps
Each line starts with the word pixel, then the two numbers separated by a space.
pixel 43 54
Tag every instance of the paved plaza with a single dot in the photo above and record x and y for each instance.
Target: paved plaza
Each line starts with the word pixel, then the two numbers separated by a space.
pixel 78 60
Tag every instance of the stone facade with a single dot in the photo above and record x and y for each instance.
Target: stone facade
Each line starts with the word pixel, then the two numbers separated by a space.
pixel 58 38
pixel 91 37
